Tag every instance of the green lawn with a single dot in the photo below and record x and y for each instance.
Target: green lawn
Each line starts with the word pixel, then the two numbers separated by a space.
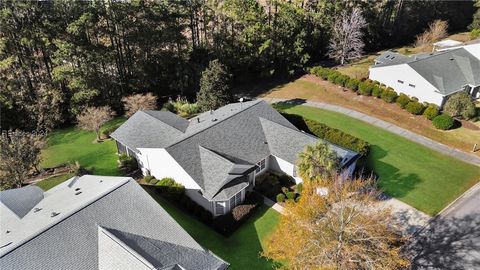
pixel 72 144
pixel 241 249
pixel 421 177
pixel 53 181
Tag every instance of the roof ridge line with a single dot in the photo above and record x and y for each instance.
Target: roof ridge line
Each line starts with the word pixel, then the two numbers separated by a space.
pixel 217 154
pixel 215 123
pixel 144 111
pixel 433 55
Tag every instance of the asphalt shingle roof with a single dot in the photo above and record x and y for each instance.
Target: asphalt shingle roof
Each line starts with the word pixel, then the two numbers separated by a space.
pixel 124 210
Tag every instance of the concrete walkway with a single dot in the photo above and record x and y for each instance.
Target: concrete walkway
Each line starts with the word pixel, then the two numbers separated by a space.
pixel 447 150
pixel 275 206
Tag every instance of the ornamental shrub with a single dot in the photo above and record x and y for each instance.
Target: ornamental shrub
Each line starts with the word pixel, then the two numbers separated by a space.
pixel 128 163
pixel 389 95
pixel 353 84
pixel 365 88
pixel 431 111
pixel 299 188
pixel 332 77
pixel 341 80
pixel 415 107
pixel 280 197
pixel 241 211
pixel 170 188
pixel 291 195
pixel 403 100
pixel 443 122
pixel 377 91
pixel 460 105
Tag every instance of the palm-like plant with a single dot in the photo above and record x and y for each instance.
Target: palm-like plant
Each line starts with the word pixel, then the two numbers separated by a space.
pixel 317 162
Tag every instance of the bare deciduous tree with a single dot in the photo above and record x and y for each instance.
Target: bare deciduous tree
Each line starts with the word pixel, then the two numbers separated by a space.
pixel 139 102
pixel 346 42
pixel 19 154
pixel 93 118
pixel 436 31
pixel 342 228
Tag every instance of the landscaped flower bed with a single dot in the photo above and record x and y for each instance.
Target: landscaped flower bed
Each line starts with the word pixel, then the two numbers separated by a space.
pixel 271 184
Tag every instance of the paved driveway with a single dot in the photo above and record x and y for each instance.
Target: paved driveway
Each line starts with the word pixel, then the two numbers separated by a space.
pixel 452 241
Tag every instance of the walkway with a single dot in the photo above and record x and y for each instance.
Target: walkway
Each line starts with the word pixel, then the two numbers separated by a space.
pixel 447 150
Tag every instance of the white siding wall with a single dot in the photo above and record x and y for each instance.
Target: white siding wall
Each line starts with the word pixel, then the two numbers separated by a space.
pixel 389 75
pixel 161 165
pixel 199 199
pixel 474 49
pixel 280 165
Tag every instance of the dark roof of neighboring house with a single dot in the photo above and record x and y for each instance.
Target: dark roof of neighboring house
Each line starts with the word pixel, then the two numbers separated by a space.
pixel 388 58
pixel 231 140
pixel 112 222
pixel 448 70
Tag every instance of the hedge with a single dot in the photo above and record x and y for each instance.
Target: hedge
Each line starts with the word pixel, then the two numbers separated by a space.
pixel 403 100
pixel 365 88
pixel 353 84
pixel 170 188
pixel 431 111
pixel 415 107
pixel 389 96
pixel 443 122
pixel 332 135
pixel 377 91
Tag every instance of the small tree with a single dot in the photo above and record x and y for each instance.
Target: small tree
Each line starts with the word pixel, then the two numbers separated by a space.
pixel 317 162
pixel 342 227
pixel 346 42
pixel 19 154
pixel 436 31
pixel 460 105
pixel 93 118
pixel 139 102
pixel 214 87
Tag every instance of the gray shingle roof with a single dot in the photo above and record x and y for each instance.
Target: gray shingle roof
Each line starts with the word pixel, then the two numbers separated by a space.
pixel 448 70
pixel 125 211
pixel 21 200
pixel 228 142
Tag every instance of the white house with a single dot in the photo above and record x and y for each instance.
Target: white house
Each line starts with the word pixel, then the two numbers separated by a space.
pixel 431 77
pixel 217 155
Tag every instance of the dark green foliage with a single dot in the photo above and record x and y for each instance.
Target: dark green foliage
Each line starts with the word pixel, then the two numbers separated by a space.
pixel 365 88
pixel 403 100
pixel 353 84
pixel 206 217
pixel 389 95
pixel 150 179
pixel 377 91
pixel 443 122
pixel 170 188
pixel 332 77
pixel 280 197
pixel 214 87
pixel 109 130
pixel 291 195
pixel 341 80
pixel 415 107
pixel 128 163
pixel 431 111
pixel 198 210
pixel 460 105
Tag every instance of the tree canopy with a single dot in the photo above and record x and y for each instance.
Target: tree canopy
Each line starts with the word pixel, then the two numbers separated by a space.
pixel 460 105
pixel 317 162
pixel 214 87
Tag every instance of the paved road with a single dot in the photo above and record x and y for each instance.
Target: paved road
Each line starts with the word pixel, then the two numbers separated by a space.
pixel 452 240
pixel 447 150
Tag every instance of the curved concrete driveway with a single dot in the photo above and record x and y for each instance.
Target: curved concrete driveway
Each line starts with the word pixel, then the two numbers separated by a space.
pixel 447 150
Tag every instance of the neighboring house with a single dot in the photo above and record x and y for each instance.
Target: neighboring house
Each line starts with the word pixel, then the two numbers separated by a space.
pixel 217 155
pixel 431 77
pixel 94 222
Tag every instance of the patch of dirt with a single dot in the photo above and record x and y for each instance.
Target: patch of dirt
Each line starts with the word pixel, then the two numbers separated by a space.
pixel 47 173
pixel 469 125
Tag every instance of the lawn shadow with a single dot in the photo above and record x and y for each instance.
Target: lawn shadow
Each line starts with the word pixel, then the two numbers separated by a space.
pixel 391 180
pixel 447 243
pixel 63 136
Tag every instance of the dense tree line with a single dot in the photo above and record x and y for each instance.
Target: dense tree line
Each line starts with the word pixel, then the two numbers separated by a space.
pixel 59 57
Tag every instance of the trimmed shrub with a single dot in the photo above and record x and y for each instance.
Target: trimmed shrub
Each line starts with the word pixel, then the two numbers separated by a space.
pixel 206 217
pixel 403 100
pixel 377 91
pixel 198 210
pixel 128 163
pixel 353 84
pixel 415 107
pixel 291 195
pixel 332 77
pixel 443 122
pixel 150 179
pixel 389 95
pixel 341 80
pixel 170 188
pixel 475 33
pixel 365 88
pixel 280 197
pixel 431 111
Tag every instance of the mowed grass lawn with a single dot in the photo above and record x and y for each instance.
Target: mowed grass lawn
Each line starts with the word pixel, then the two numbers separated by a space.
pixel 242 249
pixel 72 144
pixel 423 178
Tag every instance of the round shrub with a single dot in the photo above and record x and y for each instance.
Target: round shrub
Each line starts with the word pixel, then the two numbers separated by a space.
pixel 291 195
pixel 403 100
pixel 415 107
pixel 366 88
pixel 431 111
pixel 280 197
pixel 389 95
pixel 353 84
pixel 443 122
pixel 341 80
pixel 299 188
pixel 377 91
pixel 332 77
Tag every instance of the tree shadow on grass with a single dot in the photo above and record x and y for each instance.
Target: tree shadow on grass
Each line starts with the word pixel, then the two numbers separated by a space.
pixel 391 180
pixel 447 243
pixel 264 86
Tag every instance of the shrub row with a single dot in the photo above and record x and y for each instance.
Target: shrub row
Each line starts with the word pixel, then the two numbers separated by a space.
pixel 127 163
pixel 371 88
pixel 230 222
pixel 195 209
pixel 330 134
pixel 170 188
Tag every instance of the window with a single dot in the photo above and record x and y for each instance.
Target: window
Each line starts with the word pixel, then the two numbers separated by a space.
pixel 236 200
pixel 400 81
pixel 220 208
pixel 411 85
pixel 261 166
